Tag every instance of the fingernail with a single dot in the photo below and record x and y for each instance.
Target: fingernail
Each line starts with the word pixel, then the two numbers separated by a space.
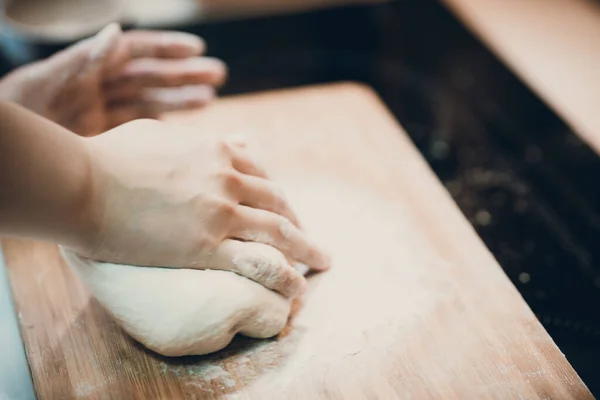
pixel 204 63
pixel 324 260
pixel 184 39
pixel 103 41
pixel 301 268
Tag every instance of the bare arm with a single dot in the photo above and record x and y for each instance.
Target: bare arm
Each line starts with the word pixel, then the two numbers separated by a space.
pixel 148 194
pixel 45 185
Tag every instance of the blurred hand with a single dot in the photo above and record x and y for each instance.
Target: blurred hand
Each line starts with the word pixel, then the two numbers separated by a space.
pixel 166 196
pixel 116 77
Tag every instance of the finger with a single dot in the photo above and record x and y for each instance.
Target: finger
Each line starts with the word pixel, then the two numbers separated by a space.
pixel 260 263
pixel 162 44
pixel 264 194
pixel 182 98
pixel 165 73
pixel 237 139
pixel 154 102
pixel 84 56
pixel 243 163
pixel 262 226
pixel 103 44
pixel 168 99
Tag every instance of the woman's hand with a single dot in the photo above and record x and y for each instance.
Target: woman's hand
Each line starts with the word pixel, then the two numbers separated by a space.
pixel 116 77
pixel 166 196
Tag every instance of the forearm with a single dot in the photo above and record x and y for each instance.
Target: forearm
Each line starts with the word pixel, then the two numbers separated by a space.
pixel 45 179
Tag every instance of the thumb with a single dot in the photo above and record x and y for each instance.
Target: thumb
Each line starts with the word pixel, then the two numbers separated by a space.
pixel 103 44
pixel 87 55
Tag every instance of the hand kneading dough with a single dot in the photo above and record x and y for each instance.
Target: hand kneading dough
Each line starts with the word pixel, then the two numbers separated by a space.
pixel 178 312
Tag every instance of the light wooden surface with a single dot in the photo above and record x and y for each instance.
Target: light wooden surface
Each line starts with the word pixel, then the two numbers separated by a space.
pixel 444 323
pixel 553 45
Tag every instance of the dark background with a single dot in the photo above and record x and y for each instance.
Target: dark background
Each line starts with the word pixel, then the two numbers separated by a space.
pixel 524 180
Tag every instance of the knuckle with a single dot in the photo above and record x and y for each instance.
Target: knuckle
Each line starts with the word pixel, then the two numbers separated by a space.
pixel 232 179
pixel 291 283
pixel 286 230
pixel 223 146
pixel 204 242
pixel 214 205
pixel 270 272
pixel 226 208
pixel 200 202
pixel 275 230
pixel 255 164
pixel 276 198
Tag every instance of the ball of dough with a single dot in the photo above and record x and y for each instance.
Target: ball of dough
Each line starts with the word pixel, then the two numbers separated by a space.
pixel 178 312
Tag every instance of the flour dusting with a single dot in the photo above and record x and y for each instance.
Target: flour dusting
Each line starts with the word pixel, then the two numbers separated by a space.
pixel 367 303
pixel 84 389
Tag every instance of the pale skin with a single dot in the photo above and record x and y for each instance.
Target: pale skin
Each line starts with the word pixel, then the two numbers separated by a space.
pixel 116 77
pixel 141 193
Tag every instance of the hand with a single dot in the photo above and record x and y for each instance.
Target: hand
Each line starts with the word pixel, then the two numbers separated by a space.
pixel 116 77
pixel 180 199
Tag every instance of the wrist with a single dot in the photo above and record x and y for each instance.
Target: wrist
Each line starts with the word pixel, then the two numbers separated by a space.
pixel 87 210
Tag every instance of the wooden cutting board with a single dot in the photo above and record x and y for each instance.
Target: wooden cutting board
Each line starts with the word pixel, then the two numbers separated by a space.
pixel 414 307
pixel 552 45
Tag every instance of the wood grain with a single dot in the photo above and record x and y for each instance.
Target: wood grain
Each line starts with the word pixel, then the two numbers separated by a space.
pixel 552 45
pixel 470 334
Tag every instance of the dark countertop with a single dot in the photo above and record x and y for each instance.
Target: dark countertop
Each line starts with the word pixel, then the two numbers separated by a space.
pixel 525 181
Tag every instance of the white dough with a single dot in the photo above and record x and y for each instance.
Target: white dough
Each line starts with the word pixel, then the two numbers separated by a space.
pixel 376 248
pixel 178 312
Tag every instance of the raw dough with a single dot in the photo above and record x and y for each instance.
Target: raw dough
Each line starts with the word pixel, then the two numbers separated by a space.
pixel 379 260
pixel 178 312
